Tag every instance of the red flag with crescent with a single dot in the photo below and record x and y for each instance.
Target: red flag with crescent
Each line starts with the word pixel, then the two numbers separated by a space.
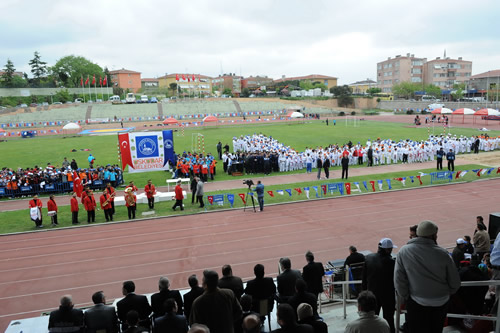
pixel 183 76
pixel 323 187
pixel 192 78
pixel 372 183
pixel 124 142
pixel 176 77
pixel 210 199
pixel 242 196
pixel 105 81
pixel 348 188
pixel 270 193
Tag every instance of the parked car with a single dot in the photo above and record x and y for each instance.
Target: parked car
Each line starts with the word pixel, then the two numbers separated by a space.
pixel 56 103
pixel 130 99
pixel 153 100
pixel 144 99
pixel 23 105
pixel 78 100
pixel 69 102
pixel 33 105
pixel 435 106
pixel 45 104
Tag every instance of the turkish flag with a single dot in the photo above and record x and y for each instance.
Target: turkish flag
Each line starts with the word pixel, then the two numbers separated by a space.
pixel 298 189
pixel 270 193
pixel 176 77
pixel 348 188
pixel 124 142
pixel 242 196
pixel 458 174
pixel 105 81
pixel 323 187
pixel 100 80
pixel 210 199
pixel 87 81
pixel 479 172
pixel 420 179
pixel 81 81
pixel 192 77
pixel 183 76
pixel 372 183
pixel 93 80
pixel 189 79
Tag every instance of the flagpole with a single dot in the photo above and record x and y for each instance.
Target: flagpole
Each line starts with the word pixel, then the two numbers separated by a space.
pixel 90 92
pixel 95 89
pixel 83 88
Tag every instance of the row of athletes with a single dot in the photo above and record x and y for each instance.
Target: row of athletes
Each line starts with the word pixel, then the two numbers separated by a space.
pixel 106 201
pixel 195 166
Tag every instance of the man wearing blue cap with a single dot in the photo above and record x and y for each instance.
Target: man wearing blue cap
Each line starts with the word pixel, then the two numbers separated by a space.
pixel 378 277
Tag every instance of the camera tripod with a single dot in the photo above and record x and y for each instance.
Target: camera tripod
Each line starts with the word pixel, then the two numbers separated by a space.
pixel 249 190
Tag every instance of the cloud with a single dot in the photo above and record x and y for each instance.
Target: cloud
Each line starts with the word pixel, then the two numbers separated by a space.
pixel 339 38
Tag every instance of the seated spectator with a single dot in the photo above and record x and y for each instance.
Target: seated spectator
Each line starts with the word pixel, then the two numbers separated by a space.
pixel 302 296
pixel 251 324
pixel 158 299
pixel 288 322
pixel 66 319
pixel 171 322
pixel 305 316
pixel 481 241
pixel 286 280
pixel 354 261
pixel 469 248
pixel 101 317
pixel 246 309
pixel 199 328
pixel 229 281
pixel 458 252
pixel 133 323
pixel 368 321
pixel 473 297
pixel 191 295
pixel 131 301
pixel 261 288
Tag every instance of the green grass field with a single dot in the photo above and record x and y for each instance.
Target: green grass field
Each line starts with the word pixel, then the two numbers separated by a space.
pixel 19 221
pixel 52 149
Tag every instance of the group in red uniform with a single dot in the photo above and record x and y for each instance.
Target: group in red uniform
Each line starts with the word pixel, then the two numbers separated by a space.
pixel 178 196
pixel 36 214
pixel 52 210
pixel 105 201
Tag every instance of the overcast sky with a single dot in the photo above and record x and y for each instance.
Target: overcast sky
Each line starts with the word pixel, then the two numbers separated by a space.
pixel 339 38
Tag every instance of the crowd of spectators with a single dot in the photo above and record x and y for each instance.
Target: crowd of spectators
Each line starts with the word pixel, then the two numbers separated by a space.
pixel 41 178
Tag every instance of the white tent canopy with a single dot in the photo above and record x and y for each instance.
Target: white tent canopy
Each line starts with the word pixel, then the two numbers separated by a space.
pixel 71 126
pixel 295 115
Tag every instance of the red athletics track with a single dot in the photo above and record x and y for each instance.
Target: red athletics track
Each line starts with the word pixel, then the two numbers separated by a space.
pixel 37 268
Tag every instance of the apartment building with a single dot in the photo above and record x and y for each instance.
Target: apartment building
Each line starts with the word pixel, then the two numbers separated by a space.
pixel 400 69
pixel 126 79
pixel 446 72
pixel 254 82
pixel 188 82
pixel 230 81
pixel 328 81
pixel 483 82
pixel 360 87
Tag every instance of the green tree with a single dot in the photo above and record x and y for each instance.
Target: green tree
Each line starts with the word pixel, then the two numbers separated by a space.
pixel 70 70
pixel 38 68
pixel 405 89
pixel 245 92
pixel 343 95
pixel 458 93
pixel 173 87
pixel 433 90
pixel 62 96
pixel 227 91
pixel 8 75
pixel 306 85
pixel 18 82
pixel 373 91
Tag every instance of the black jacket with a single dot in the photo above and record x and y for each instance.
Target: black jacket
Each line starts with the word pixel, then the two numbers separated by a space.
pixel 66 319
pixel 158 300
pixel 234 283
pixel 313 273
pixel 189 298
pixel 171 324
pixel 135 302
pixel 286 283
pixel 378 275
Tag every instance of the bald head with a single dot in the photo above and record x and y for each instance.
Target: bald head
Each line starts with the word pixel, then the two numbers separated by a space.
pixel 251 324
pixel 199 328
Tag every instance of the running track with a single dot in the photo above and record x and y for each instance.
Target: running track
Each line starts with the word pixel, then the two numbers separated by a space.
pixel 37 268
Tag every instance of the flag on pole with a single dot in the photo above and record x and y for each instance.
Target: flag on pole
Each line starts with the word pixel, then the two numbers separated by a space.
pixel 270 193
pixel 242 196
pixel 490 170
pixel 184 77
pixel 100 81
pixel 306 189
pixel 87 81
pixel 192 78
pixel 176 77
pixel 105 81
pixel 230 198
pixel 93 80
pixel 380 184
pixel 463 173
pixel 289 191
pixel 81 81
pixel 483 171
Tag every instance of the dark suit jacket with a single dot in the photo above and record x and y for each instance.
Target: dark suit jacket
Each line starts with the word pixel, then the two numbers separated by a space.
pixel 261 289
pixel 234 283
pixel 217 309
pixel 313 273
pixel 67 319
pixel 308 298
pixel 286 283
pixel 189 298
pixel 158 300
pixel 171 324
pixel 297 328
pixel 135 302
pixel 101 317
pixel 378 276
pixel 317 325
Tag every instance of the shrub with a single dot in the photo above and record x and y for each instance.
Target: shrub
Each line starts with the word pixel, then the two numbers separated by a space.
pixel 353 113
pixel 341 113
pixel 409 111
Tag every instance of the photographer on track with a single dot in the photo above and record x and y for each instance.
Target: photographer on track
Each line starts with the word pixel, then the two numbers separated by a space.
pixel 260 194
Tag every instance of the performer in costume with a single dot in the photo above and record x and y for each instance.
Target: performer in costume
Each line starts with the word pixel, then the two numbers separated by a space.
pixel 150 194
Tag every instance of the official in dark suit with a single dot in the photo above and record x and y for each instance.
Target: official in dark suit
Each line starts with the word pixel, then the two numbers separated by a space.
pixel 101 317
pixel 191 295
pixel 261 288
pixel 158 299
pixel 171 322
pixel 313 274
pixel 66 318
pixel 345 166
pixel 131 301
pixel 302 296
pixel 228 281
pixel 287 280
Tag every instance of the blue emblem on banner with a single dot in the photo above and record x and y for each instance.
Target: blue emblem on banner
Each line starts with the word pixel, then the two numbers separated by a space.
pixel 147 146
